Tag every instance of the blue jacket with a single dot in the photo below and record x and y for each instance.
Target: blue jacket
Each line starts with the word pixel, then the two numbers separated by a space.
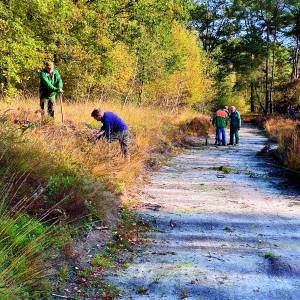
pixel 112 124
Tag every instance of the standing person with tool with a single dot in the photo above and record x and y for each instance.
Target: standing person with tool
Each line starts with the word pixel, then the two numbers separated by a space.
pixel 114 128
pixel 50 84
pixel 235 125
pixel 220 120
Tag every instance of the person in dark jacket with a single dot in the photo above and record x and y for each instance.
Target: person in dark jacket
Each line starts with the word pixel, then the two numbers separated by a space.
pixel 292 114
pixel 114 128
pixel 50 85
pixel 235 125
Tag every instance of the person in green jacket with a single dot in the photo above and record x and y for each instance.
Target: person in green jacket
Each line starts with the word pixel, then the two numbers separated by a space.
pixel 50 85
pixel 220 120
pixel 235 125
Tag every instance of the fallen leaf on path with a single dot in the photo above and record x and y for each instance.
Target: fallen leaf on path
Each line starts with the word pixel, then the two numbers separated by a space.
pixel 184 294
pixel 142 290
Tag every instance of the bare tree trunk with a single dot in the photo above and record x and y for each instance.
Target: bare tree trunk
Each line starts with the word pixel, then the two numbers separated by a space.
pixel 267 92
pixel 140 92
pixel 273 73
pixel 295 71
pixel 252 97
pixel 131 88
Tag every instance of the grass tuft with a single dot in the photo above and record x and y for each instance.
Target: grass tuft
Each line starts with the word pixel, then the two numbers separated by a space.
pixel 269 255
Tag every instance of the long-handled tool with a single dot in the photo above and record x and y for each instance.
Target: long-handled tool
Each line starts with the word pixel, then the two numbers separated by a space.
pixel 61 107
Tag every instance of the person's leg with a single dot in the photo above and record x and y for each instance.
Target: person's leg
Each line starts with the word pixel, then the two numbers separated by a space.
pixel 231 135
pixel 237 136
pixel 51 106
pixel 224 136
pixel 124 140
pixel 219 135
pixel 42 103
pixel 216 137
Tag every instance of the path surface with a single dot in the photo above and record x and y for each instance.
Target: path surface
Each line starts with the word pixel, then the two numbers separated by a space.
pixel 224 226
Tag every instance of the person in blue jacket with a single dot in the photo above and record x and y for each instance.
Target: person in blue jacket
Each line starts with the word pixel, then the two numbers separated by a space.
pixel 114 128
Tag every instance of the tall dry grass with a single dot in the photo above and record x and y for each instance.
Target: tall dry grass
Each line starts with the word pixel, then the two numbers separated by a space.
pixel 23 243
pixel 287 133
pixel 69 164
pixel 149 128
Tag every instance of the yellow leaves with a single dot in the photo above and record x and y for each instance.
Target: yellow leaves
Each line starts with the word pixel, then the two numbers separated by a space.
pixel 122 67
pixel 192 83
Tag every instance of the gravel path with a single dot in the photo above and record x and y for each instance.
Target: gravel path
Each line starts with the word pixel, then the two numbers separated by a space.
pixel 221 235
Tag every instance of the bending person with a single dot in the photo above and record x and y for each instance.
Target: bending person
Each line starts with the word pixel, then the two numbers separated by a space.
pixel 114 128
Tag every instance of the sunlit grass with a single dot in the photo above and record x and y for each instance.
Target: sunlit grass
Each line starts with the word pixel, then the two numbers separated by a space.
pixel 149 127
pixel 287 133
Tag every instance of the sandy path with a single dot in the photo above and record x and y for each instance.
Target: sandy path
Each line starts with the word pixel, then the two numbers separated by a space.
pixel 225 224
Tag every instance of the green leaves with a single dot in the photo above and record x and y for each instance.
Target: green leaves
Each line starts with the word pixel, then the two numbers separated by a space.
pixel 103 48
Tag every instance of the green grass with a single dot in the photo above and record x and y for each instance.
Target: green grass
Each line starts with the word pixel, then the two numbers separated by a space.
pixel 103 261
pixel 269 255
pixel 23 242
pixel 64 272
pixel 225 169
pixel 228 229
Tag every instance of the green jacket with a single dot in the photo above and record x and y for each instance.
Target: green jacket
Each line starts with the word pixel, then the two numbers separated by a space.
pixel 220 119
pixel 235 120
pixel 49 85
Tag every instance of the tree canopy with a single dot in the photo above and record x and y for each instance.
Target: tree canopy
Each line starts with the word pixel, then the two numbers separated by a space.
pixel 258 41
pixel 125 50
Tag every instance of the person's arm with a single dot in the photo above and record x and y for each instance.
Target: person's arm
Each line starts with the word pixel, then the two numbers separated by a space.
pixel 47 83
pixel 240 120
pixel 107 129
pixel 227 119
pixel 213 119
pixel 60 83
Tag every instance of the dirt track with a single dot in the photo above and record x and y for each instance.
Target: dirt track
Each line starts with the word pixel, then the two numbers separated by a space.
pixel 224 226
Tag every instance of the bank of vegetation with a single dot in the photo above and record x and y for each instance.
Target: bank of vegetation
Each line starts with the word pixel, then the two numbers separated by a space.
pixel 287 133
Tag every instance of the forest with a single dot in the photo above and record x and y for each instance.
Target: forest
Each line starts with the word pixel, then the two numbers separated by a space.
pixel 168 53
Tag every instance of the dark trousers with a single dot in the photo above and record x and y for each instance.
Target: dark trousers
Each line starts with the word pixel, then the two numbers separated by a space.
pixel 221 132
pixel 234 133
pixel 50 105
pixel 122 137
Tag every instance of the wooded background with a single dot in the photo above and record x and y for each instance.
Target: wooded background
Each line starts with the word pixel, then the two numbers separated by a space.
pixel 164 52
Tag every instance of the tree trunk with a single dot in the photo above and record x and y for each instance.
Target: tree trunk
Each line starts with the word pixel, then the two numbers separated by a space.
pixel 267 92
pixel 273 72
pixel 140 92
pixel 252 97
pixel 295 70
